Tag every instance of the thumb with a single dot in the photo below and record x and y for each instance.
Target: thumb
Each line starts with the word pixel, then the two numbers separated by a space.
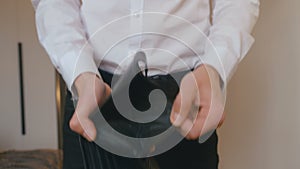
pixel 175 117
pixel 183 102
pixel 83 126
pixel 80 121
pixel 92 91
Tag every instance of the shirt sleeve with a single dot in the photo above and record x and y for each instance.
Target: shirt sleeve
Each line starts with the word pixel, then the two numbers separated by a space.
pixel 62 34
pixel 230 34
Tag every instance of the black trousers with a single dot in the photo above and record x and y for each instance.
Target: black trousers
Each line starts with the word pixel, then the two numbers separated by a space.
pixel 185 155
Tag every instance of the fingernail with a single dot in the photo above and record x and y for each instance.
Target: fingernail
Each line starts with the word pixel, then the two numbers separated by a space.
pixel 177 119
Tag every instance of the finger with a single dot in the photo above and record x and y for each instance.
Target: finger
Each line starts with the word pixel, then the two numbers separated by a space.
pixel 75 124
pixel 202 114
pixel 89 128
pixel 181 109
pixel 207 120
pixel 186 127
pixel 80 122
pixel 214 114
pixel 183 101
pixel 222 120
pixel 175 115
pixel 83 126
pixel 197 127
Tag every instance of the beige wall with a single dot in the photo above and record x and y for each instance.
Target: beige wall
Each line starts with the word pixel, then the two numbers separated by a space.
pixel 262 130
pixel 18 25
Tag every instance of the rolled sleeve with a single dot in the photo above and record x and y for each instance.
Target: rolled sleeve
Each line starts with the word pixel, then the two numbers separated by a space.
pixel 72 64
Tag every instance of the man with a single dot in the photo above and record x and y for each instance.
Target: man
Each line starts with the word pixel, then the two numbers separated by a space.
pixel 82 36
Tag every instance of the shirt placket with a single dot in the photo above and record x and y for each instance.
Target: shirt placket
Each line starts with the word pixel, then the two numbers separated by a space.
pixel 136 25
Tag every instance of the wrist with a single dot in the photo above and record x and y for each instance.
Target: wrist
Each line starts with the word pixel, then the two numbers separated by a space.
pixel 207 73
pixel 85 80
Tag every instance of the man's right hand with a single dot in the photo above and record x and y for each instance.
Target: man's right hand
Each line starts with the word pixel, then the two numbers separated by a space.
pixel 92 92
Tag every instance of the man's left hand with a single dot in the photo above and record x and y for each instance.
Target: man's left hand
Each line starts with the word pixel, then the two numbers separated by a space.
pixel 199 105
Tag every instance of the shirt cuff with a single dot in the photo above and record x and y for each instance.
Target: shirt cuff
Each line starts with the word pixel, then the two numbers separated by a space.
pixel 72 64
pixel 224 55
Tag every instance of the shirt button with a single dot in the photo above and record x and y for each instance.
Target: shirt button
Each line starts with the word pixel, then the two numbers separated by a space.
pixel 137 14
pixel 131 52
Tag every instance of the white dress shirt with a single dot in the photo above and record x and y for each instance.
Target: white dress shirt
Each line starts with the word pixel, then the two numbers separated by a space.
pixel 84 35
